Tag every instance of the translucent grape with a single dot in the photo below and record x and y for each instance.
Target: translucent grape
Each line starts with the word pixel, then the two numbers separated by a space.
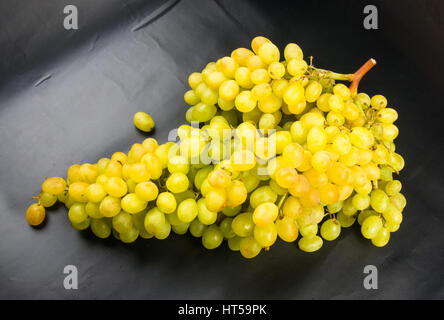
pixel 101 228
pixel 371 226
pixel 265 235
pixel 77 213
pixel 177 182
pixel 54 185
pixel 287 229
pixel 35 214
pixel 143 121
pixel 330 229
pixel 166 202
pixel 249 248
pixel 187 210
pixel 212 237
pixel 310 244
pixel 47 200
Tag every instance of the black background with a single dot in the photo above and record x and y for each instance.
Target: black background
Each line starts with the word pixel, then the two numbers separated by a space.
pixel 68 97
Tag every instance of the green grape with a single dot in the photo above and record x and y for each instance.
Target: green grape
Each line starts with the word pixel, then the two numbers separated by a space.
pixel 178 164
pixel 54 185
pixel 265 235
pixel 110 206
pixel 243 224
pixel 187 210
pixel 77 191
pixel 386 173
pixel 261 195
pixel 310 244
pixel 166 202
pixel 344 220
pixel 138 221
pixel 225 228
pixel 164 231
pixel 82 225
pixel 197 228
pixel 189 115
pixel 154 220
pixel 396 161
pixel 95 192
pixel 316 139
pixel 276 188
pixel 69 202
pixel 204 215
pixel 116 187
pixel 330 229
pixel 379 200
pixel 371 226
pixel 194 79
pixel 392 227
pixel 348 208
pixel 365 214
pixel 360 201
pixel 399 201
pixel 47 200
pixel 392 215
pixel 378 102
pixel 234 243
pixel 231 211
pixel 203 112
pixel 249 248
pixel 251 181
pixel 393 187
pixel 131 203
pixel 180 228
pixel 335 207
pixel 89 172
pixel 122 222
pixel 177 182
pixel 212 237
pixel 143 121
pixel 129 236
pixel 231 117
pixel 101 228
pixel 92 209
pixel 266 122
pixel 62 197
pixel 382 238
pixel 77 213
pixel 191 97
pixel 293 51
pixel 287 229
pixel 309 230
pixel 146 191
pixel 363 100
pixel 188 194
pixel 173 219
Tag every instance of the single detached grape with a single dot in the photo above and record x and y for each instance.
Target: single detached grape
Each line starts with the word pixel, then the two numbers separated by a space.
pixel 143 121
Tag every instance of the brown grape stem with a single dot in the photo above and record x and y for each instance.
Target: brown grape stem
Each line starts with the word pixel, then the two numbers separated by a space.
pixel 357 76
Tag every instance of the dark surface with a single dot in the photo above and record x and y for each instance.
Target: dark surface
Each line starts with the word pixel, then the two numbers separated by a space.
pixel 98 76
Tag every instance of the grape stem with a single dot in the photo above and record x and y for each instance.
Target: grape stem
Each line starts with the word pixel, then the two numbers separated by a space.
pixel 357 76
pixel 354 78
pixel 280 204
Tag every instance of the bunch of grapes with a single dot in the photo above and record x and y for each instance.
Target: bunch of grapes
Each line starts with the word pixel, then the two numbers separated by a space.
pixel 274 148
